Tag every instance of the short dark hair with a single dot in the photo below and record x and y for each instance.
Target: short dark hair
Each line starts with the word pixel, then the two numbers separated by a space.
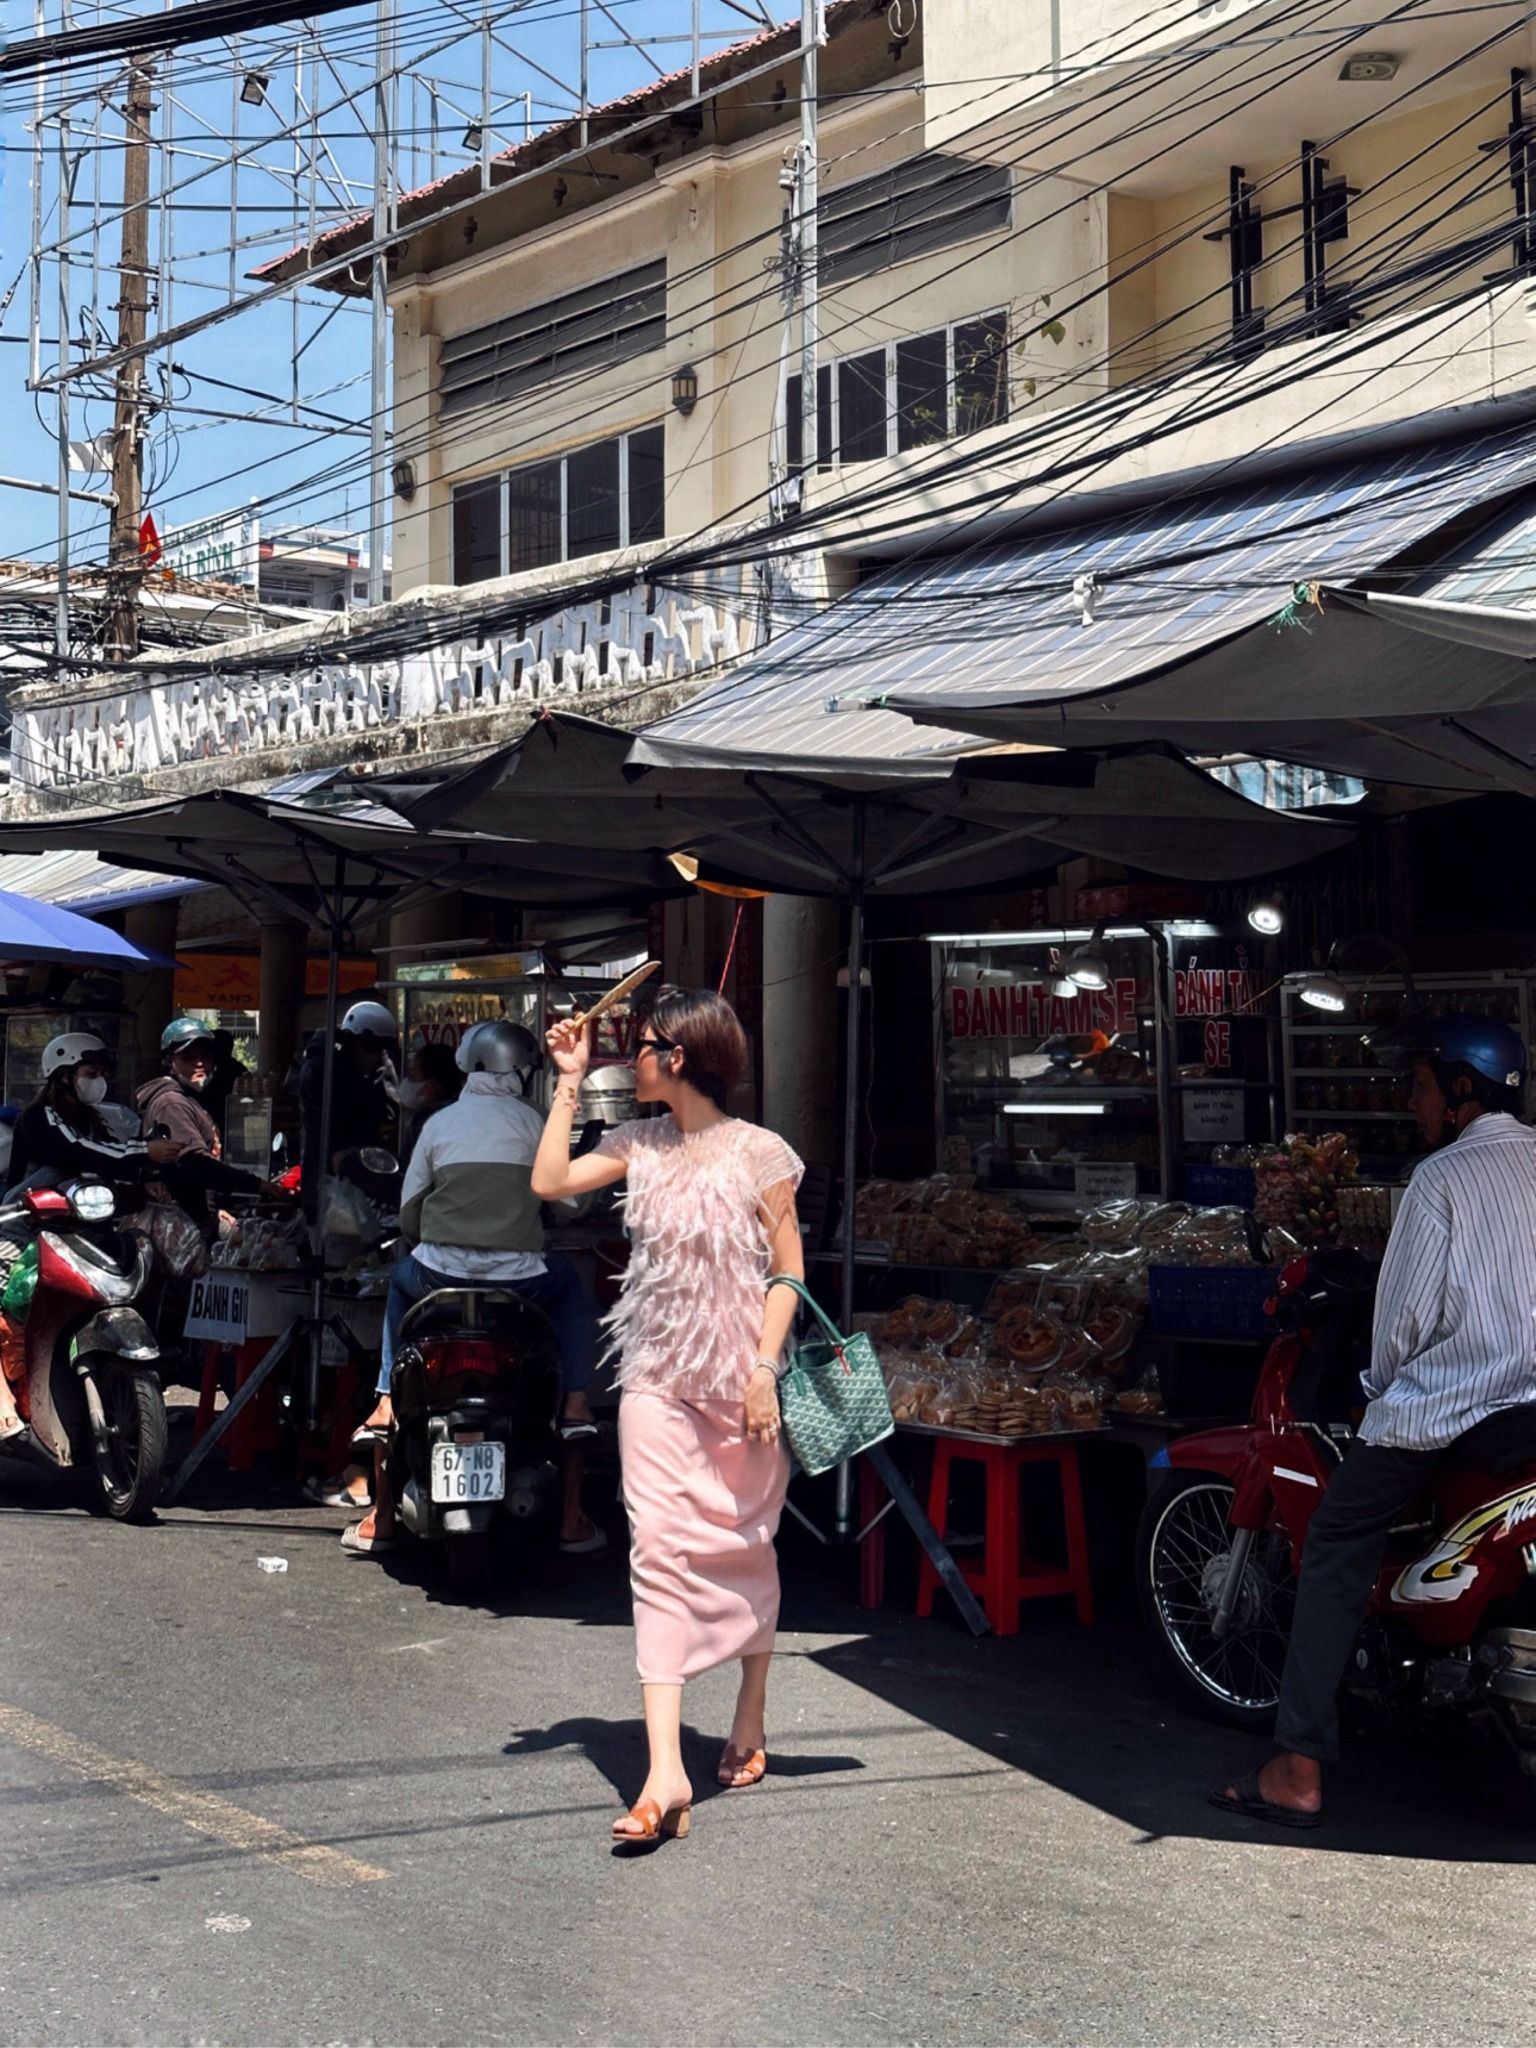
pixel 438 1065
pixel 708 1033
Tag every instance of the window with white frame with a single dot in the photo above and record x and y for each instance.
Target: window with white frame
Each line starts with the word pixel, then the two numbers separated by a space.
pixel 610 494
pixel 906 394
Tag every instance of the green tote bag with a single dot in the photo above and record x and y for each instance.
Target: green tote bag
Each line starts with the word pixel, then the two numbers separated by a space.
pixel 833 1396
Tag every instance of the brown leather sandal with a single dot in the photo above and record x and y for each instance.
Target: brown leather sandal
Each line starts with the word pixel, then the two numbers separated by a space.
pixel 654 1824
pixel 734 1762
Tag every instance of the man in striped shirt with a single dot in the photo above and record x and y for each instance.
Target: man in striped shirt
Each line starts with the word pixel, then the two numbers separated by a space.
pixel 1454 1342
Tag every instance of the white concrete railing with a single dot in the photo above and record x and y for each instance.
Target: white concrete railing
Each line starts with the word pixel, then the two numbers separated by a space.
pixel 173 720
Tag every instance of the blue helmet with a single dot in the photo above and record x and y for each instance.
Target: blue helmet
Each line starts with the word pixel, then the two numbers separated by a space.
pixel 1489 1048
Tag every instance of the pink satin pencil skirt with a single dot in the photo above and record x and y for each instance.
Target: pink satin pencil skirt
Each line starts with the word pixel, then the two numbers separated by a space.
pixel 704 1504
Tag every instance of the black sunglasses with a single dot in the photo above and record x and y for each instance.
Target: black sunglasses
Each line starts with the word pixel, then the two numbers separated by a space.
pixel 655 1045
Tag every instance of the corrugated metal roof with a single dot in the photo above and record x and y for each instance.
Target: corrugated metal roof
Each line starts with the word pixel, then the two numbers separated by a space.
pixel 1171 579
pixel 82 883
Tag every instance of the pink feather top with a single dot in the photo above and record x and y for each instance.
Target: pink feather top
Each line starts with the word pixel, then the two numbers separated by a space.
pixel 690 1317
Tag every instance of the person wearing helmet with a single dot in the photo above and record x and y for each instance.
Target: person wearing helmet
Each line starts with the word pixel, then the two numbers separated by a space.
pixel 468 1214
pixel 172 1107
pixel 1453 1351
pixel 63 1132
pixel 363 1084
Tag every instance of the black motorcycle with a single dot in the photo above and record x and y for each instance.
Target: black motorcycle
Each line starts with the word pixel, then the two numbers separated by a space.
pixel 475 1391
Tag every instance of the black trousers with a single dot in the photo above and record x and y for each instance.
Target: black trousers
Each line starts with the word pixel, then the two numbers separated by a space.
pixel 1367 1496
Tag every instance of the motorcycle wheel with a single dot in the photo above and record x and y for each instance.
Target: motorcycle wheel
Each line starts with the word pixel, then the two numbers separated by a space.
pixel 470 1562
pixel 1182 1553
pixel 125 1481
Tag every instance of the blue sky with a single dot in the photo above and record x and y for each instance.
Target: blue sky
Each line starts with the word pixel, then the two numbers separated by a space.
pixel 197 463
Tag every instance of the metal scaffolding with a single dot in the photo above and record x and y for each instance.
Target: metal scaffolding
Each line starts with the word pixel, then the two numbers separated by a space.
pixel 257 143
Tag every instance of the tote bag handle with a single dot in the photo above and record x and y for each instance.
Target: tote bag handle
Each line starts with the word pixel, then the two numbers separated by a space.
pixel 834 1335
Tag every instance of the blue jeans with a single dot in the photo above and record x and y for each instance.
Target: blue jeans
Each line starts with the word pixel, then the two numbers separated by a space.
pixel 557 1291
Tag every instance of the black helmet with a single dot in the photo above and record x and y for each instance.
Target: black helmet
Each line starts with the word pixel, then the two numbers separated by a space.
pixel 182 1032
pixel 498 1046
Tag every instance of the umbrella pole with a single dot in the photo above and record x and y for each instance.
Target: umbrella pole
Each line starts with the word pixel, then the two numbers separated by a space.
pixel 844 1509
pixel 323 1164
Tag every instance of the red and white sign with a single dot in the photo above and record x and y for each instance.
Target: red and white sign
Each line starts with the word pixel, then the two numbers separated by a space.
pixel 1215 991
pixel 1027 1009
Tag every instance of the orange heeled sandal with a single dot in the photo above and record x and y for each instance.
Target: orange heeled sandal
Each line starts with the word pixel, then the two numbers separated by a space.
pixel 736 1761
pixel 654 1824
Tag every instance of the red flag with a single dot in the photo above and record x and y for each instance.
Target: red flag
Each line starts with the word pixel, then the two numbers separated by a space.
pixel 149 542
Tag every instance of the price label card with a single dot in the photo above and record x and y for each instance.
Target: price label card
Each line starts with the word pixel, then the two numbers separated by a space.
pixel 220 1309
pixel 1213 1116
pixel 1104 1180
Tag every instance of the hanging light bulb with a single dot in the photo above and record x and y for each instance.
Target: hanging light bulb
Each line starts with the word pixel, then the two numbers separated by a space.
pixel 1266 914
pixel 1323 991
pixel 1088 968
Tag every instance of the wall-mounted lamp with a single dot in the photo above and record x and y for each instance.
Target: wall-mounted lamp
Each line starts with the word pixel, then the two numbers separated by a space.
pixel 403 477
pixel 685 389
pixel 561 192
pixel 253 88
pixel 474 135
pixel 1087 967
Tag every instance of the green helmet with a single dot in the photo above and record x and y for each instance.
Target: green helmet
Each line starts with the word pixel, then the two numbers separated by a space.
pixel 184 1031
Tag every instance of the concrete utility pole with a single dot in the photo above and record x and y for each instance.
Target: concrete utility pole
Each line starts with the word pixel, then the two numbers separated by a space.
pixel 124 572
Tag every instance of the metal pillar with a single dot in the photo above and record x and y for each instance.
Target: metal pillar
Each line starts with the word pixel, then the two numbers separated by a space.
pixel 843 1517
pixel 378 436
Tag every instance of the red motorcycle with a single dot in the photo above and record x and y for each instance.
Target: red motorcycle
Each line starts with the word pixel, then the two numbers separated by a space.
pixel 91 1393
pixel 1452 1620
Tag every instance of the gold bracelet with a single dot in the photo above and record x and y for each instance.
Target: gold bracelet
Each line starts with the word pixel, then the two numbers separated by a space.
pixel 567 1097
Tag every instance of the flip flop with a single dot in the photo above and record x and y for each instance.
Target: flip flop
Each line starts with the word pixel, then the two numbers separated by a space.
pixel 574 1432
pixel 331 1493
pixel 585 1546
pixel 367 1434
pixel 365 1546
pixel 1249 1803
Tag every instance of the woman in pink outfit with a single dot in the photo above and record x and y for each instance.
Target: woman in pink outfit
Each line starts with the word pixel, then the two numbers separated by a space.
pixel 710 1211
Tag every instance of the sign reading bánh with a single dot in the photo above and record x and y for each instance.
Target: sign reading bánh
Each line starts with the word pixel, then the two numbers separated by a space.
pixel 220 1309
pixel 1027 1009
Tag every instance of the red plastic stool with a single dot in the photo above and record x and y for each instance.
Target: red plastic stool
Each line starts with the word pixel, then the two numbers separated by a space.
pixel 1003 1579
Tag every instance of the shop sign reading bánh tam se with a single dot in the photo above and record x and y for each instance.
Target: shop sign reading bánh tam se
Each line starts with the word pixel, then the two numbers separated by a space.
pixel 1027 1009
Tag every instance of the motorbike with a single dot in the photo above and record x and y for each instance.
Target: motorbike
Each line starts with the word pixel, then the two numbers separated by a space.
pixel 1451 1627
pixel 91 1391
pixel 475 1392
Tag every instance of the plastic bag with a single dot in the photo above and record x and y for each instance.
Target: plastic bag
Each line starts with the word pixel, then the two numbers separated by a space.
pixel 20 1286
pixel 177 1241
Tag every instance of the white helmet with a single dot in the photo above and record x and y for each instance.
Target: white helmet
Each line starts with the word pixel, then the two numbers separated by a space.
pixel 69 1049
pixel 369 1020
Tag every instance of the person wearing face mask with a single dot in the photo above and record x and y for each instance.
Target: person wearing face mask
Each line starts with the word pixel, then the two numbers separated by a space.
pixel 432 1081
pixel 62 1133
pixel 171 1106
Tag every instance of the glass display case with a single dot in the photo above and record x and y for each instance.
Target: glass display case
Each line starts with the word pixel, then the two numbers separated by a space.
pixel 1333 1078
pixel 28 1031
pixel 440 999
pixel 1068 1096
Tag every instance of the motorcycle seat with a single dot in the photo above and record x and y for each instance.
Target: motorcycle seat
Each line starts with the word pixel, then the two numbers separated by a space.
pixel 462 1311
pixel 1499 1443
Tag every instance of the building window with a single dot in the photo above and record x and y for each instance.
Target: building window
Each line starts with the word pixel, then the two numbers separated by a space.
pixel 927 203
pixel 931 387
pixel 610 494
pixel 601 324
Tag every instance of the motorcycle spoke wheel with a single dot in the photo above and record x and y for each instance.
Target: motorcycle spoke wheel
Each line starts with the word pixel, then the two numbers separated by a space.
pixel 1188 1553
pixel 128 1473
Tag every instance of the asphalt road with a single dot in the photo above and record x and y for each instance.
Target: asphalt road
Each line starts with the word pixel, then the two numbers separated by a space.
pixel 334 1805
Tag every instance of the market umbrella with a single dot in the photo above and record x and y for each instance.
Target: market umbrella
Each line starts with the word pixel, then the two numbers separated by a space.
pixel 1404 690
pixel 775 816
pixel 42 931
